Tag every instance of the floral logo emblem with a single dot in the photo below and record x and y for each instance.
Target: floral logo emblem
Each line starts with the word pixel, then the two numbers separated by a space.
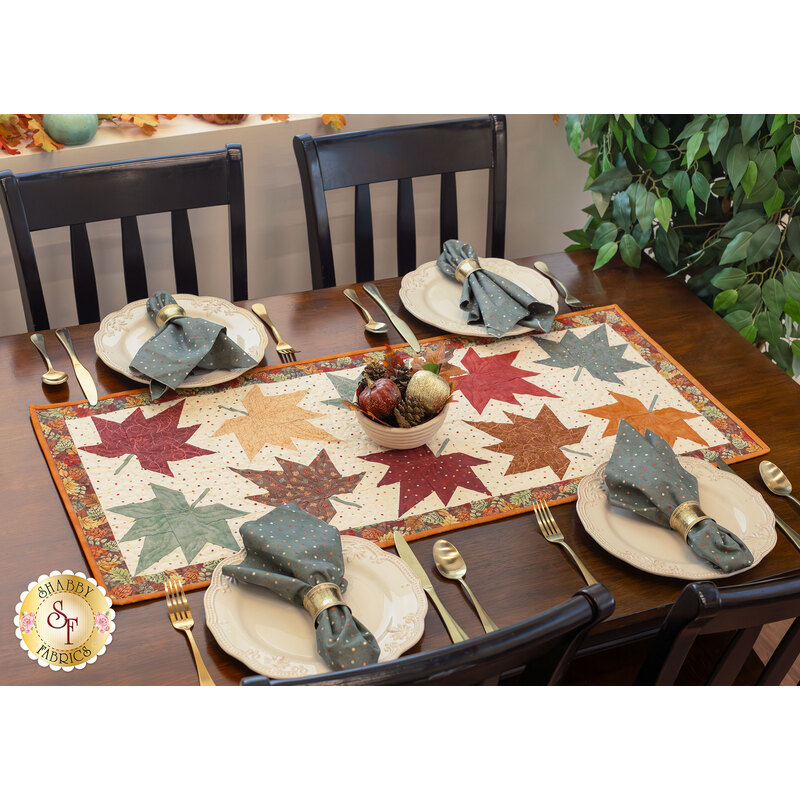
pixel 64 620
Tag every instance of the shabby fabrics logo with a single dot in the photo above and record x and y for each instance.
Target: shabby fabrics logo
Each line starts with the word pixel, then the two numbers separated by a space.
pixel 64 620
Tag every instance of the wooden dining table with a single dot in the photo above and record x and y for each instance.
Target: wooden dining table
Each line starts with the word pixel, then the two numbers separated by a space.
pixel 512 569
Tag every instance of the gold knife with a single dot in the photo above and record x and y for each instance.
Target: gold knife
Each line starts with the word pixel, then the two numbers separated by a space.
pixel 456 632
pixel 81 373
pixel 402 328
pixel 793 535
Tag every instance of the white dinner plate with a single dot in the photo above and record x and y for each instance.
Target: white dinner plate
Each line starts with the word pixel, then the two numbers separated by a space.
pixel 276 638
pixel 649 547
pixel 123 332
pixel 434 298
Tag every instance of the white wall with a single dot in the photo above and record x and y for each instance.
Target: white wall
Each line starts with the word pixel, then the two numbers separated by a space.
pixel 545 196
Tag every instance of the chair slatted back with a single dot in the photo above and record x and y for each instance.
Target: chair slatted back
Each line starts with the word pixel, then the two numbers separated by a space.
pixel 124 190
pixel 704 609
pixel 541 648
pixel 358 159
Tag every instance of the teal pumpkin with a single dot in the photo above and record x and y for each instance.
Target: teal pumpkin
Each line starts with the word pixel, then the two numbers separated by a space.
pixel 70 128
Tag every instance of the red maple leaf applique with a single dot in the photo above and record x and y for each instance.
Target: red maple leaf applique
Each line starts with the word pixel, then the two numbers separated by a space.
pixel 310 487
pixel 421 473
pixel 154 440
pixel 493 378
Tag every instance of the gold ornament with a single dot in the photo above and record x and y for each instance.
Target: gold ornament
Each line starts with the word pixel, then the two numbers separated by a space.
pixel 429 390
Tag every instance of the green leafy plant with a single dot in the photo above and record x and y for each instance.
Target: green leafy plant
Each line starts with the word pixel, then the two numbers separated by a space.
pixel 712 197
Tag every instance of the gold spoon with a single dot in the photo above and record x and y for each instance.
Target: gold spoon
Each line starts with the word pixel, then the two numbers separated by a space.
pixel 53 377
pixel 776 481
pixel 452 566
pixel 370 324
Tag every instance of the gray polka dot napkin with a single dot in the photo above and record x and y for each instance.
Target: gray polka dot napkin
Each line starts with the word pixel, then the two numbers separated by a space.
pixel 644 476
pixel 492 300
pixel 288 551
pixel 182 345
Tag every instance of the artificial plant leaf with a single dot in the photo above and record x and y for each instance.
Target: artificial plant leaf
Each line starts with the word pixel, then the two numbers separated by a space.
pixel 606 232
pixel 769 326
pixel 793 236
pixel 572 127
pixel 780 352
pixel 763 243
pixel 750 124
pixel 660 134
pixel 662 162
pixel 792 308
pixel 612 180
pixel 794 150
pixel 701 186
pixel 738 319
pixel 663 211
pixel 748 220
pixel 749 297
pixel 692 127
pixel 766 165
pixel 601 203
pixel 736 249
pixel 717 129
pixel 791 282
pixel 642 235
pixel 645 208
pixel 725 299
pixel 690 205
pixel 621 209
pixel 729 278
pixel 749 177
pixel 680 186
pixel 630 251
pixel 666 248
pixel 774 203
pixel 693 146
pixel 605 254
pixel 750 332
pixel 736 163
pixel 774 295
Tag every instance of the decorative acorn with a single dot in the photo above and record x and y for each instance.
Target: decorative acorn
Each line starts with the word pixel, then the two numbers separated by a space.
pixel 428 390
pixel 379 398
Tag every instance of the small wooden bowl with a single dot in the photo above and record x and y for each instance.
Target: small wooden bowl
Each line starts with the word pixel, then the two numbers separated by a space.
pixel 402 438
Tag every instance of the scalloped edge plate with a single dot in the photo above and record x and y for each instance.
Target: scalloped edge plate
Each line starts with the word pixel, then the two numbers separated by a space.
pixel 123 332
pixel 649 547
pixel 273 637
pixel 434 298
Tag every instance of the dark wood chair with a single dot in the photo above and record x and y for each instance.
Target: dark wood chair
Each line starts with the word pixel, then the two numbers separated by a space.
pixel 704 610
pixel 401 153
pixel 122 190
pixel 536 652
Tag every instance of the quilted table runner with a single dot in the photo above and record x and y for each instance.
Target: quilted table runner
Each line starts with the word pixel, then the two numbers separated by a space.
pixel 155 488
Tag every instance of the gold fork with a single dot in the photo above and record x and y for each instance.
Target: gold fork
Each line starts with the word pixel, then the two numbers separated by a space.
pixel 283 348
pixel 552 533
pixel 181 618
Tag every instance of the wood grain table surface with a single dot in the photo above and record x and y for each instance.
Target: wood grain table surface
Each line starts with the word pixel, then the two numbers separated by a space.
pixel 513 570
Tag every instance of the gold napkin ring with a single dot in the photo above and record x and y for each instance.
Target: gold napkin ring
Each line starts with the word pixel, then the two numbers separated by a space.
pixel 168 312
pixel 466 268
pixel 321 597
pixel 686 516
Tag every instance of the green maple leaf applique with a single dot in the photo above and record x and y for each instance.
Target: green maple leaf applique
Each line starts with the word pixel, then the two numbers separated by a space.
pixel 345 388
pixel 168 521
pixel 591 352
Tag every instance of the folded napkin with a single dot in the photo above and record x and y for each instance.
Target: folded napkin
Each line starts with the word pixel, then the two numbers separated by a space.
pixel 490 299
pixel 183 344
pixel 644 476
pixel 288 552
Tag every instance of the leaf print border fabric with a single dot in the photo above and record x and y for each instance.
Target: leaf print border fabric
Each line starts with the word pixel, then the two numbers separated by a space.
pixel 221 449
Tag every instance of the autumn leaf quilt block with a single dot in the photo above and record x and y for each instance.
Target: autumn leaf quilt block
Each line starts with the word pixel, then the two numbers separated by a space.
pixel 155 488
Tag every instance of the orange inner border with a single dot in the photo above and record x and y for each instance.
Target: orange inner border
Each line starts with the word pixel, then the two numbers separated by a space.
pixel 98 575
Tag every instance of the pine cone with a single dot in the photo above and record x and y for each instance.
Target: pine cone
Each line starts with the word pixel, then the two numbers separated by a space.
pixel 374 370
pixel 401 376
pixel 409 413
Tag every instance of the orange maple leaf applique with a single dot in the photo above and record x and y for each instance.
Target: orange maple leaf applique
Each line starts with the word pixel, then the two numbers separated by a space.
pixel 276 420
pixel 669 423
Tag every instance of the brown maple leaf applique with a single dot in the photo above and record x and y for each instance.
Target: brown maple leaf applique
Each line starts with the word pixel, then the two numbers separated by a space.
pixel 153 440
pixel 276 420
pixel 533 443
pixel 421 473
pixel 669 423
pixel 310 487
pixel 493 378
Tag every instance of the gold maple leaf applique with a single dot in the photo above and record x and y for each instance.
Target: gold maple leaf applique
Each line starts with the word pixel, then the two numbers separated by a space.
pixel 275 420
pixel 669 423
